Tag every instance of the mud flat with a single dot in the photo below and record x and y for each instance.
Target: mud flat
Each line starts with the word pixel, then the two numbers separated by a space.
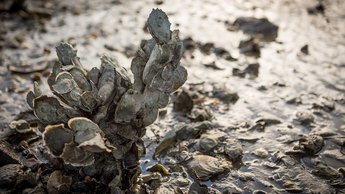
pixel 263 108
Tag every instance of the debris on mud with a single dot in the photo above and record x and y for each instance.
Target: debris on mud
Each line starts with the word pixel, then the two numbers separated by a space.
pixel 318 8
pixel 250 47
pixel 308 146
pixel 304 117
pixel 252 70
pixel 183 103
pixel 260 28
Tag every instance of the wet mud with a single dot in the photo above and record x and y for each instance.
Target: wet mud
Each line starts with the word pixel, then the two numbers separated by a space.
pixel 262 110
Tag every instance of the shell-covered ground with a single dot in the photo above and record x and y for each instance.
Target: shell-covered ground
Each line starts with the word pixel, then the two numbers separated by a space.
pixel 263 108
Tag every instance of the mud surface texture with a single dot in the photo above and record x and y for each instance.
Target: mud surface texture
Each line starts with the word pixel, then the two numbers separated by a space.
pixel 262 110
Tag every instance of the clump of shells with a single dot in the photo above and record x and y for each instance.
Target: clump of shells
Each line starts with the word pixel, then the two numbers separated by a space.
pixel 101 110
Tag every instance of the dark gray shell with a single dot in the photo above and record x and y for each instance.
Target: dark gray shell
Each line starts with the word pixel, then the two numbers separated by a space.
pixel 159 26
pixel 56 136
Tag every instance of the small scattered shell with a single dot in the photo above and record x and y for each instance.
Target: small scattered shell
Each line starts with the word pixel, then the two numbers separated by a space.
pixel 183 103
pixel 210 140
pixel 233 149
pixel 21 126
pixel 261 152
pixel 312 144
pixel 304 117
pixel 203 167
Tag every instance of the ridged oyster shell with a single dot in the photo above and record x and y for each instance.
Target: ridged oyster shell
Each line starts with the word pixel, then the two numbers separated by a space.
pixel 203 167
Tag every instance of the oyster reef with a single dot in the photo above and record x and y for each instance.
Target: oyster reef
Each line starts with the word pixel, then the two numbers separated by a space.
pixel 95 120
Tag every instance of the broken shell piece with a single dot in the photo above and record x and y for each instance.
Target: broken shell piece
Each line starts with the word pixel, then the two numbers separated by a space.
pixel 58 183
pixel 76 156
pixel 210 140
pixel 159 26
pixel 304 117
pixel 233 149
pixel 183 103
pixel 204 167
pixel 261 152
pixel 56 136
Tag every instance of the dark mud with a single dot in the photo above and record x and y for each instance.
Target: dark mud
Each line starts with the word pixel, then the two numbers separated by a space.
pixel 266 103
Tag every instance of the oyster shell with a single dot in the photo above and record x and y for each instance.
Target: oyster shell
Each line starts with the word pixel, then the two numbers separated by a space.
pixel 64 83
pixel 308 146
pixel 210 140
pixel 159 26
pixel 49 110
pixel 80 78
pixel 104 110
pixel 67 56
pixel 203 167
pixel 76 156
pixel 88 134
pixel 56 136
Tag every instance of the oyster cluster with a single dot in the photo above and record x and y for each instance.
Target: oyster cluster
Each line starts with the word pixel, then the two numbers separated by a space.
pixel 101 110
